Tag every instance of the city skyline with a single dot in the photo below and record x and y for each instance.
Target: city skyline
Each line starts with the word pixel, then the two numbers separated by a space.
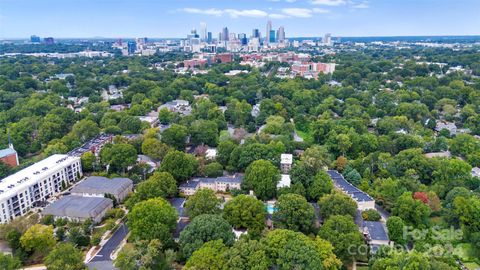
pixel 300 18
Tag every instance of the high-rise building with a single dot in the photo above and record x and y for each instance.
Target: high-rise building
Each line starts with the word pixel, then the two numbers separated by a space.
pixel 243 38
pixel 49 40
pixel 131 47
pixel 272 37
pixel 34 39
pixel 255 33
pixel 209 37
pixel 193 34
pixel 327 40
pixel 281 34
pixel 269 31
pixel 203 31
pixel 225 34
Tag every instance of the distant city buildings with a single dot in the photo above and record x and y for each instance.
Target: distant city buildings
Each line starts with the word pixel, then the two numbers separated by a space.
pixel 49 41
pixel 35 39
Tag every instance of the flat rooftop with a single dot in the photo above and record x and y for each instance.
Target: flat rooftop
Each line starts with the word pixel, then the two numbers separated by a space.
pixel 77 207
pixel 98 184
pixel 28 176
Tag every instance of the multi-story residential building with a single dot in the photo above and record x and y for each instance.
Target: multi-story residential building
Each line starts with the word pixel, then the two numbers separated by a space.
pixel 35 184
pixel 219 184
pixel 286 161
pixel 363 200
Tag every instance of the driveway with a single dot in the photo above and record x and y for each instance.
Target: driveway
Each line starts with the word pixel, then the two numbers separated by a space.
pixel 111 244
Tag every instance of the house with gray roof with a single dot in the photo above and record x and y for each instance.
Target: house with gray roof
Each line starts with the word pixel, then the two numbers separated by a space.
pixel 97 186
pixel 219 184
pixel 376 235
pixel 363 200
pixel 77 208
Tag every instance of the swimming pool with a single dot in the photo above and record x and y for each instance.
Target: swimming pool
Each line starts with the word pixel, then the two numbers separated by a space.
pixel 271 208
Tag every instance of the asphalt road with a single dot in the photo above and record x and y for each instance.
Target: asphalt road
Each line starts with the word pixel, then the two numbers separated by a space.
pixel 111 244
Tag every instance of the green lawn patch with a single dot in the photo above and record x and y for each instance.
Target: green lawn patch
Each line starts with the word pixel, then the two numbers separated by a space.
pixel 306 136
pixel 471 266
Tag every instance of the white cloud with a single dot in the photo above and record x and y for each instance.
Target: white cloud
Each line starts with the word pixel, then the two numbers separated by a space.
pixel 277 16
pixel 320 10
pixel 298 12
pixel 329 2
pixel 210 11
pixel 255 13
pixel 302 12
pixel 361 5
pixel 234 13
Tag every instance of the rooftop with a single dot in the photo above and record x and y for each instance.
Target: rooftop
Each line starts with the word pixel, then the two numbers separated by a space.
pixel 21 179
pixel 286 159
pixel 376 230
pixel 6 152
pixel 348 188
pixel 98 184
pixel 178 204
pixel 77 206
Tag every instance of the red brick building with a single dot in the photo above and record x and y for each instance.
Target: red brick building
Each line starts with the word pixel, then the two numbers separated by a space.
pixel 9 156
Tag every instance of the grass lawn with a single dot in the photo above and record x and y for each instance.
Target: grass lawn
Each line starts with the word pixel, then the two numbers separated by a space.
pixel 467 255
pixel 306 136
pixel 471 266
pixel 465 252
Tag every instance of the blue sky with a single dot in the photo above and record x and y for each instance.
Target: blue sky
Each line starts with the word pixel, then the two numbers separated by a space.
pixel 175 18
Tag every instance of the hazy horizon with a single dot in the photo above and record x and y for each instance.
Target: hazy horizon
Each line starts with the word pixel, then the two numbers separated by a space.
pixel 175 19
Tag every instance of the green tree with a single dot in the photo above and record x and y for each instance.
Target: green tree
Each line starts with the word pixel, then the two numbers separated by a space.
pixel 413 212
pixel 395 226
pixel 293 250
pixel 262 177
pixel 294 213
pixel 88 161
pixel 224 150
pixel 322 184
pixel 65 257
pixel 119 155
pixel 202 202
pixel 213 169
pixel 180 165
pixel 342 232
pixel 160 184
pixel 175 136
pixel 8 262
pixel 209 257
pixel 38 239
pixel 130 125
pixel 154 148
pixel 153 219
pixel 247 255
pixel 245 212
pixel 85 129
pixel 371 215
pixel 337 204
pixel 204 132
pixel 202 229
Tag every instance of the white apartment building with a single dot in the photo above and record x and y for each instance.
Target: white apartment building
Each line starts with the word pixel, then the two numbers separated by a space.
pixel 33 185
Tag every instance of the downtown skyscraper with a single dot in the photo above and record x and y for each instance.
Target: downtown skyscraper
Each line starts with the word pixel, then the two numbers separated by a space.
pixel 268 32
pixel 225 34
